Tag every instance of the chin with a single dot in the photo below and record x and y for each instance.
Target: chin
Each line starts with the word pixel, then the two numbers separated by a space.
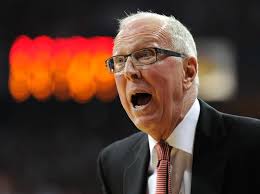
pixel 154 125
pixel 147 126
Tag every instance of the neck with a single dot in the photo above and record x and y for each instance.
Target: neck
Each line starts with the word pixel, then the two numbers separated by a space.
pixel 188 100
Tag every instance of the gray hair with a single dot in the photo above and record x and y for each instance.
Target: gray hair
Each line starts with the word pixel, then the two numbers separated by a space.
pixel 181 37
pixel 182 40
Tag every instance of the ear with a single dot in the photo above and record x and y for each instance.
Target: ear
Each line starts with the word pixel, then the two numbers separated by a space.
pixel 190 70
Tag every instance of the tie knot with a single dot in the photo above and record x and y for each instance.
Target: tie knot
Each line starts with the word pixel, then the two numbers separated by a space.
pixel 163 150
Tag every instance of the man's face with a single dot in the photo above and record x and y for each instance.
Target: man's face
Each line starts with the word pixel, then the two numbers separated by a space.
pixel 153 95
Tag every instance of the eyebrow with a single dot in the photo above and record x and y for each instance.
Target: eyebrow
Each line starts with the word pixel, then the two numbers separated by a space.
pixel 142 43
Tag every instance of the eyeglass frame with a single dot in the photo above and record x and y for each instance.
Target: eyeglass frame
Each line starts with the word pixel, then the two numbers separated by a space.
pixel 157 51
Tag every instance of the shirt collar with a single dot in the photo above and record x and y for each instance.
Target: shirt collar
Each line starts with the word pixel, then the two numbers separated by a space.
pixel 182 136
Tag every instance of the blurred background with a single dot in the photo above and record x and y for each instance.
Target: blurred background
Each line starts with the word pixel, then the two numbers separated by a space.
pixel 51 146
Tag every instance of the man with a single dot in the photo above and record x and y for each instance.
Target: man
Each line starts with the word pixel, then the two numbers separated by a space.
pixel 156 72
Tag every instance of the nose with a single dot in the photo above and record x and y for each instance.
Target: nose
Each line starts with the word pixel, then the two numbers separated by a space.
pixel 130 70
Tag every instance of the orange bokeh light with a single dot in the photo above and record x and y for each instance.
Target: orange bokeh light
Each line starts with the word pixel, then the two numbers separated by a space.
pixel 40 74
pixel 20 59
pixel 63 67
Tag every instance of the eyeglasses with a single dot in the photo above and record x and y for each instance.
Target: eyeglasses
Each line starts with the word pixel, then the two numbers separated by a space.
pixel 145 56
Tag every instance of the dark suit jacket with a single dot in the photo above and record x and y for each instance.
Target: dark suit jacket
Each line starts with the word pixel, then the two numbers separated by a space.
pixel 226 158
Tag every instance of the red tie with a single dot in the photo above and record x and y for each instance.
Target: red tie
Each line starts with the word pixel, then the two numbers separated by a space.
pixel 163 182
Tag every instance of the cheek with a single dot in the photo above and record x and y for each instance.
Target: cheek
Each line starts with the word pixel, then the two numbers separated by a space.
pixel 120 84
pixel 174 79
pixel 166 79
pixel 121 89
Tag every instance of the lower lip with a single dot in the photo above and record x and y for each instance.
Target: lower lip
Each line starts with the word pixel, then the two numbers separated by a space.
pixel 143 107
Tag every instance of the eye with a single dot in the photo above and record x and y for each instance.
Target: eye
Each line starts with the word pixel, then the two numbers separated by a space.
pixel 119 59
pixel 111 64
pixel 145 56
pixel 119 62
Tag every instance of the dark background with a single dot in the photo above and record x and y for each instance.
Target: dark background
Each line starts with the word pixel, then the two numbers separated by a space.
pixel 51 147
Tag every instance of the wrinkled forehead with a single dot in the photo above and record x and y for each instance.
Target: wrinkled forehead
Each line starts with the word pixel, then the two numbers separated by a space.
pixel 141 32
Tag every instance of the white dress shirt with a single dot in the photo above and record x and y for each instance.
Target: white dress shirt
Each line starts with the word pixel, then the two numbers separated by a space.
pixel 181 140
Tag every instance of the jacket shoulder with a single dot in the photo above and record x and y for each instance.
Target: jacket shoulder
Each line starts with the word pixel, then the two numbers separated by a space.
pixel 242 125
pixel 113 160
pixel 121 147
pixel 241 120
pixel 244 131
pixel 216 122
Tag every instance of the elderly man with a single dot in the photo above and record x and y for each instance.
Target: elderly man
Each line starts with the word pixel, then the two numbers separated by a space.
pixel 185 146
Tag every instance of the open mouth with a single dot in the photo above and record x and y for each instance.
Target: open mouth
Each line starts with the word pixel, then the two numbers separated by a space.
pixel 140 99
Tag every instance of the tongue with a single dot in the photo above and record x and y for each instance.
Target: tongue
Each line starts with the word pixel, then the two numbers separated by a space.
pixel 143 99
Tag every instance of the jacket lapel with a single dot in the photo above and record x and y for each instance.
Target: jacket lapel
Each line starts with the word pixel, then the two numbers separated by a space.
pixel 135 175
pixel 209 154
